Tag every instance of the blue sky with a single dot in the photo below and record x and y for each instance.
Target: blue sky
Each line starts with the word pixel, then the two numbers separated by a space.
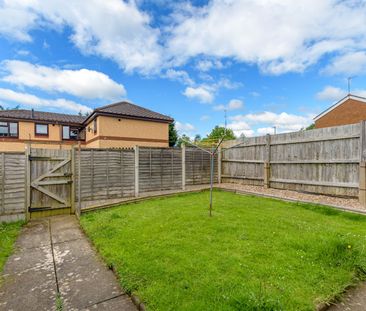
pixel 267 62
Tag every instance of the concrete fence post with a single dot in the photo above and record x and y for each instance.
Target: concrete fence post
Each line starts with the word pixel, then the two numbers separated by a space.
pixel 219 165
pixel 183 150
pixel 28 181
pixel 136 148
pixel 362 167
pixel 267 163
pixel 79 181
pixel 72 195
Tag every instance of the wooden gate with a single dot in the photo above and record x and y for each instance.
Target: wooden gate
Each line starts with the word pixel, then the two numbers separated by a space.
pixel 50 178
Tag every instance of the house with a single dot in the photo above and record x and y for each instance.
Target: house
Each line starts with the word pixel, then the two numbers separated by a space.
pixel 350 109
pixel 121 124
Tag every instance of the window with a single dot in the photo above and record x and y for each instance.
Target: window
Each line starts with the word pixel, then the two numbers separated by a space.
pixel 72 133
pixel 95 125
pixel 41 129
pixel 8 129
pixel 66 132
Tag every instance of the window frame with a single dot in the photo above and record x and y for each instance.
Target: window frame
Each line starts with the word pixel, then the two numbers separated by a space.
pixel 71 128
pixel 8 127
pixel 41 134
pixel 95 126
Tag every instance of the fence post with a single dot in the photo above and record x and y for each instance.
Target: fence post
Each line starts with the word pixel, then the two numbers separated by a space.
pixel 79 179
pixel 183 147
pixel 219 164
pixel 362 167
pixel 267 162
pixel 72 197
pixel 27 181
pixel 136 148
pixel 2 210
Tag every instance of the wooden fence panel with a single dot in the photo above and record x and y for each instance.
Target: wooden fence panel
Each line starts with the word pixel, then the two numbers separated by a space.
pixel 160 169
pixel 198 167
pixel 12 186
pixel 245 163
pixel 105 174
pixel 321 161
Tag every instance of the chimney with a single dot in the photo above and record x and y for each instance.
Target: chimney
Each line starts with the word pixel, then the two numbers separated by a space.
pixel 32 113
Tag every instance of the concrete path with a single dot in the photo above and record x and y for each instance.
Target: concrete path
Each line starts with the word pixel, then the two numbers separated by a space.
pixel 353 300
pixel 55 268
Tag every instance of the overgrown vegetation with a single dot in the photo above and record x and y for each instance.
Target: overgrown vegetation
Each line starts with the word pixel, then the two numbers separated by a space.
pixel 8 234
pixel 254 254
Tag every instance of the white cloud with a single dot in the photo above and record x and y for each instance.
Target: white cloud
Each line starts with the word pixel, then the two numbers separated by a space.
pixel 202 93
pixel 359 92
pixel 184 127
pixel 82 83
pixel 16 21
pixel 113 29
pixel 33 101
pixel 241 127
pixel 279 36
pixel 233 104
pixel 206 65
pixel 205 118
pixel 331 93
pixel 262 123
pixel 282 119
pixel 347 64
pixel 266 130
pixel 205 93
pixel 179 75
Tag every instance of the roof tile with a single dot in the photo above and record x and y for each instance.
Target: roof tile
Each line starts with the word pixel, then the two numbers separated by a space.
pixel 42 116
pixel 127 109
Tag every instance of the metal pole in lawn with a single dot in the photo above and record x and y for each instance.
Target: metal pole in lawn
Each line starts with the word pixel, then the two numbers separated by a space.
pixel 212 156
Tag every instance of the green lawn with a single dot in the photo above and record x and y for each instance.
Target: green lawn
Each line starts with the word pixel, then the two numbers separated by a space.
pixel 8 234
pixel 253 254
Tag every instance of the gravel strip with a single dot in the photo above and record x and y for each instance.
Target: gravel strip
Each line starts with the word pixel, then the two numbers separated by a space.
pixel 348 203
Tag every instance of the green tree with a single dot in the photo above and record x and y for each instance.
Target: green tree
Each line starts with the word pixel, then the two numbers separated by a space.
pixel 183 139
pixel 197 139
pixel 173 135
pixel 310 127
pixel 219 132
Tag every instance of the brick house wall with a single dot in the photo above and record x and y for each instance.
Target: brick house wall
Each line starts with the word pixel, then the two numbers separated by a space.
pixel 349 112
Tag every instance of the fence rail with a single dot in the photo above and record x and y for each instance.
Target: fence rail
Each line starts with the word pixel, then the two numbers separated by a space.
pixel 325 161
pixel 97 175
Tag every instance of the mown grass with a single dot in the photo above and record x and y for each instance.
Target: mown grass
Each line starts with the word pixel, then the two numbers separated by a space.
pixel 253 254
pixel 8 234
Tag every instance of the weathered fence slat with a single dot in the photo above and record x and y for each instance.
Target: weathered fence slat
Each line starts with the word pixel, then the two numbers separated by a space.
pixel 322 160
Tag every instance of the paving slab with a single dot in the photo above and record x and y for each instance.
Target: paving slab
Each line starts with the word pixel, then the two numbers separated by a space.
pixel 53 257
pixel 31 291
pixel 83 279
pixel 35 234
pixel 29 281
pixel 353 300
pixel 116 304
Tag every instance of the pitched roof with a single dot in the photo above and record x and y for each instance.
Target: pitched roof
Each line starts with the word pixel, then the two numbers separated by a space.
pixel 120 109
pixel 338 103
pixel 126 109
pixel 41 116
